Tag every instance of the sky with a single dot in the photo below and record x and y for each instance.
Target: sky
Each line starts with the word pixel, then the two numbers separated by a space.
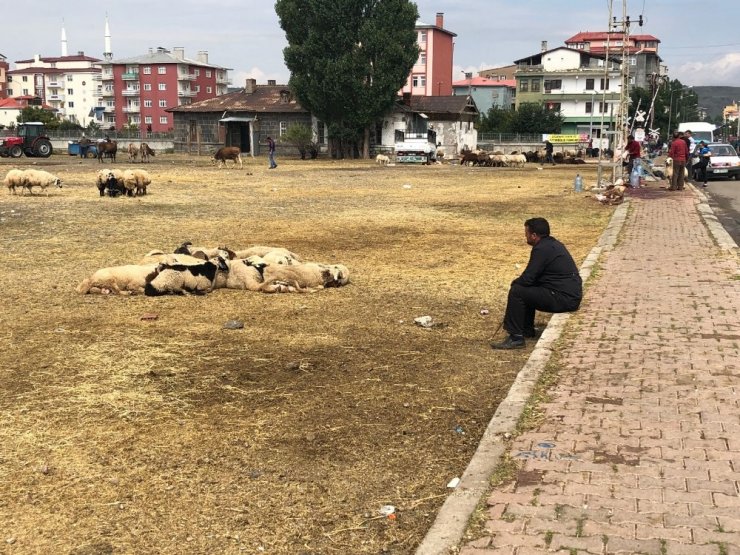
pixel 699 44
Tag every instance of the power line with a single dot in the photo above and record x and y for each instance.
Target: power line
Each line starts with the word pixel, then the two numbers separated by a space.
pixel 702 46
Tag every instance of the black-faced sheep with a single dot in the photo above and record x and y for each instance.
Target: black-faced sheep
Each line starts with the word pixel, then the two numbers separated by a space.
pixel 41 179
pixel 156 256
pixel 179 279
pixel 110 181
pixel 209 252
pixel 130 279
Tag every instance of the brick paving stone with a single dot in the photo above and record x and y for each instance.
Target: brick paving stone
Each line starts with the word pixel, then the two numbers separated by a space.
pixel 647 455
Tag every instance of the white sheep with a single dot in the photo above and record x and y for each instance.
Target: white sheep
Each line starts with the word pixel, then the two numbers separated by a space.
pixel 242 274
pixel 129 279
pixel 136 181
pixel 178 279
pixel 111 180
pixel 41 179
pixel 15 178
pixel 382 160
pixel 209 252
pixel 271 255
pixel 303 278
pixel 157 256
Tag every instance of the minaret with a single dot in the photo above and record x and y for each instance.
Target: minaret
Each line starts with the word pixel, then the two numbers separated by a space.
pixel 64 41
pixel 107 54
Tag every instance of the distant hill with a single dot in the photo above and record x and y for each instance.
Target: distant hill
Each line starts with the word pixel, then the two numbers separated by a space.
pixel 714 99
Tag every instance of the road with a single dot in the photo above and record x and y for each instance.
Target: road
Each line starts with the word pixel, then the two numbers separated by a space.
pixel 724 198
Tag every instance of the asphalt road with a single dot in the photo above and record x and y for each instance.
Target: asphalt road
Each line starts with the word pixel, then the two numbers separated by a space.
pixel 724 198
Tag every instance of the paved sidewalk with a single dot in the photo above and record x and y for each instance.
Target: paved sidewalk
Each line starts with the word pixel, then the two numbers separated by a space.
pixel 639 450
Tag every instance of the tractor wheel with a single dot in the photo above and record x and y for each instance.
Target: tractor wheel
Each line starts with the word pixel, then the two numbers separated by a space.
pixel 90 154
pixel 16 151
pixel 43 148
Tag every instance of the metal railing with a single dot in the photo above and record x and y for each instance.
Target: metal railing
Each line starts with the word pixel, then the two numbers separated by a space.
pixel 113 135
pixel 510 137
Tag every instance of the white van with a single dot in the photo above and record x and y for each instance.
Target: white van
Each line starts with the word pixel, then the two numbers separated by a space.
pixel 700 130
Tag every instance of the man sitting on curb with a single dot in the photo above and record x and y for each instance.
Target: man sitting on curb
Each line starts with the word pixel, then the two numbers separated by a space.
pixel 549 283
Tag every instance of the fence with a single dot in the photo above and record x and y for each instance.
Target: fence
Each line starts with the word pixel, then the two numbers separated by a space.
pixel 510 138
pixel 137 135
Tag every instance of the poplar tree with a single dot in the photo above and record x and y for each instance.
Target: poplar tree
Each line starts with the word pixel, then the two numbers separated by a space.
pixel 348 59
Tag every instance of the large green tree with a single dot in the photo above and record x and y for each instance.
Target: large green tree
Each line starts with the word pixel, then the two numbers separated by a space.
pixel 35 113
pixel 530 117
pixel 348 59
pixel 673 103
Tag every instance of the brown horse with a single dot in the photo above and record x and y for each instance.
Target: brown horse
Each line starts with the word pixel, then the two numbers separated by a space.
pixel 107 149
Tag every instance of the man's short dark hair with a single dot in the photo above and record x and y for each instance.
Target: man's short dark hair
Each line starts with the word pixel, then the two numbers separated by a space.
pixel 538 226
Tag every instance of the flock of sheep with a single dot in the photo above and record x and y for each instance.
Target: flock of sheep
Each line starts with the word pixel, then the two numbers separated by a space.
pixel 200 270
pixel 517 159
pixel 28 179
pixel 113 182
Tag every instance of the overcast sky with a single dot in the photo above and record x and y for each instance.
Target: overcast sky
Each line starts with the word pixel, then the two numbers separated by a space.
pixel 699 44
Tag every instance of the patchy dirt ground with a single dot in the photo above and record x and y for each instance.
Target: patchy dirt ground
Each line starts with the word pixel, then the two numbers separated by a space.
pixel 123 435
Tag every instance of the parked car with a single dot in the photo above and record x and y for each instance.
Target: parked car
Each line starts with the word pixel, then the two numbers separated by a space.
pixel 723 163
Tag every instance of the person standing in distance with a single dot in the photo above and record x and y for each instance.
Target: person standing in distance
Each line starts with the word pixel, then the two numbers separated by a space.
pixel 548 153
pixel 549 283
pixel 679 152
pixel 271 153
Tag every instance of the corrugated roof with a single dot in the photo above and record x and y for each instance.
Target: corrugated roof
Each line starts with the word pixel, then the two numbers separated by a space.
pixel 163 57
pixel 54 70
pixel 485 82
pixel 75 58
pixel 265 98
pixel 439 104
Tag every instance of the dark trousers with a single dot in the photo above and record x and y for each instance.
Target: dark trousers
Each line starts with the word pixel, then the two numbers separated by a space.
pixel 703 170
pixel 523 301
pixel 677 178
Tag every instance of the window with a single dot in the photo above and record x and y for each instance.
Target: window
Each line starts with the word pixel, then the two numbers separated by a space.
pixel 589 107
pixel 589 84
pixel 69 78
pixel 71 104
pixel 163 104
pixel 208 73
pixel 554 106
pixel 632 79
pixel 147 70
pixel 163 120
pixel 209 90
pixel 70 91
pixel 553 85
pixel 419 81
pixel 147 104
pixel 423 59
pixel 162 70
pixel 147 86
pixel 524 85
pixel 633 60
pixel 283 127
pixel 147 119
pixel 136 120
pixel 422 36
pixel 197 72
pixel 535 85
pixel 24 78
pixel 603 107
pixel 25 92
pixel 197 88
pixel 163 86
pixel 601 85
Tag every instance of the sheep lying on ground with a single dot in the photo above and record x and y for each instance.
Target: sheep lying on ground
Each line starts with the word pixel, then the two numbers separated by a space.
pixel 242 274
pixel 179 279
pixel 130 279
pixel 15 178
pixel 301 278
pixel 27 179
pixel 156 256
pixel 209 252
pixel 382 159
pixel 271 255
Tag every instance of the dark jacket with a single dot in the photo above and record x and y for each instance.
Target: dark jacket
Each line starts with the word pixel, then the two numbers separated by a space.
pixel 551 266
pixel 548 147
pixel 270 145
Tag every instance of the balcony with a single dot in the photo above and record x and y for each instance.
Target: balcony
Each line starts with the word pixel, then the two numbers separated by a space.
pixel 134 76
pixel 187 94
pixel 223 81
pixel 186 77
pixel 55 97
pixel 97 77
pixel 107 77
pixel 131 109
pixel 108 93
pixel 54 84
pixel 130 92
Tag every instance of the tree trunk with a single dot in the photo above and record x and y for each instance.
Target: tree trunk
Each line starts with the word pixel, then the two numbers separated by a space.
pixel 366 144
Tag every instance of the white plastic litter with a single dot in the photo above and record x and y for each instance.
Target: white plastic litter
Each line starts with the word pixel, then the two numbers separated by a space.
pixel 453 483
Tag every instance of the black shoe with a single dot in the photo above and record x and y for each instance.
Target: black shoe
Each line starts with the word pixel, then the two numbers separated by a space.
pixel 511 342
pixel 534 332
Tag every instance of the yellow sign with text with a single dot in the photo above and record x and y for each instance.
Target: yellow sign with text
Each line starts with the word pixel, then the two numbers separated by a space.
pixel 568 139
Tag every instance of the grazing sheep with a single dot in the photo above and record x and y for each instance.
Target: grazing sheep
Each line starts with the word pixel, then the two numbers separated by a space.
pixel 111 181
pixel 130 279
pixel 41 179
pixel 271 255
pixel 136 181
pixel 382 160
pixel 15 178
pixel 179 279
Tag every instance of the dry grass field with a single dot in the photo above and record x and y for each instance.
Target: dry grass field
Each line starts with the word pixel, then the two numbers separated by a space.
pixel 126 435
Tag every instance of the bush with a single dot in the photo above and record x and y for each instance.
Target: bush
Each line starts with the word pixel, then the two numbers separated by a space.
pixel 301 137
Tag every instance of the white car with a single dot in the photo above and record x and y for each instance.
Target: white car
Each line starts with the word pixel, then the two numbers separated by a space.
pixel 724 161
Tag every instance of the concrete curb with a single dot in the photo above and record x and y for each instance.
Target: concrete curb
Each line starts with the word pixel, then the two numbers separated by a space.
pixel 452 520
pixel 723 239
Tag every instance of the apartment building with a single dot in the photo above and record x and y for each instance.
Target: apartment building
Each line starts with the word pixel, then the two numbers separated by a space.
pixel 139 90
pixel 487 93
pixel 4 67
pixel 432 73
pixel 584 87
pixel 68 84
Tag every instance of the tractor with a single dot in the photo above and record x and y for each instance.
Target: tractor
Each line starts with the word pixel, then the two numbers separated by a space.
pixel 31 140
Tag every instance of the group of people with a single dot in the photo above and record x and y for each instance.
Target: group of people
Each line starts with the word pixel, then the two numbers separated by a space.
pixel 682 149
